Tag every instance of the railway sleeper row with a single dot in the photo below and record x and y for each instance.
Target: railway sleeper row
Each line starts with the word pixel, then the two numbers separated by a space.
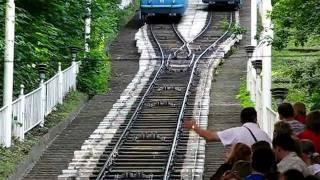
pixel 144 153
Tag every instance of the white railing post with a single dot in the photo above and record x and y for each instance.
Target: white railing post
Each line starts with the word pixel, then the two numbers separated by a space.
pixel 21 125
pixel 259 101
pixel 87 28
pixel 248 76
pixel 42 102
pixel 7 126
pixel 30 110
pixel 74 74
pixel 8 70
pixel 60 82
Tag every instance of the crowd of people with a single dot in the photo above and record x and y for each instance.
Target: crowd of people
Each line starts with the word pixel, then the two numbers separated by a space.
pixel 292 154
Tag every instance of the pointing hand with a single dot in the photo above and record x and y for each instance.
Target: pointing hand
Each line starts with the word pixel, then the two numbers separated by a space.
pixel 189 123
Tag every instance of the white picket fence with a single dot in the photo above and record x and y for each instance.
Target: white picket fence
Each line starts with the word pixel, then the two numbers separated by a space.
pixel 30 110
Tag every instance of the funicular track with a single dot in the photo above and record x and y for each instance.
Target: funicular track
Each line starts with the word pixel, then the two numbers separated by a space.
pixel 152 144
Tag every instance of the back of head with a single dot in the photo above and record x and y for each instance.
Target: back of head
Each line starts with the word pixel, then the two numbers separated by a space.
pixel 285 142
pixel 248 114
pixel 307 147
pixel 300 108
pixel 293 174
pixel 243 168
pixel 309 151
pixel 260 144
pixel 282 127
pixel 312 178
pixel 313 121
pixel 286 110
pixel 239 151
pixel 263 160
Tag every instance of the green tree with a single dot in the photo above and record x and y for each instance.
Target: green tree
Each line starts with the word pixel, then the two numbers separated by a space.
pixel 296 20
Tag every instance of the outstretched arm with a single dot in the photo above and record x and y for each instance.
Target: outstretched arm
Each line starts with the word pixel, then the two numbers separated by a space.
pixel 208 135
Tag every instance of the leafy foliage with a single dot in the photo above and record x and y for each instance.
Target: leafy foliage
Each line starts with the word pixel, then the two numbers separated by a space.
pixel 94 73
pixel 243 95
pixel 234 28
pixel 95 70
pixel 300 73
pixel 45 29
pixel 295 20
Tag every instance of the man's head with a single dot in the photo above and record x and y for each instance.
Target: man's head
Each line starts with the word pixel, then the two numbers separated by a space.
pixel 309 155
pixel 248 114
pixel 292 174
pixel 283 144
pixel 285 111
pixel 282 127
pixel 263 160
pixel 260 144
pixel 313 121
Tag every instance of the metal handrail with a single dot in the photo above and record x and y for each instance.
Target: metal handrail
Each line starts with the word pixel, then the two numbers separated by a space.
pixel 204 29
pixel 174 144
pixel 3 107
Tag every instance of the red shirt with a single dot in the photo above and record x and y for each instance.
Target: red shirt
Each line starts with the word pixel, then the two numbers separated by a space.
pixel 315 138
pixel 301 118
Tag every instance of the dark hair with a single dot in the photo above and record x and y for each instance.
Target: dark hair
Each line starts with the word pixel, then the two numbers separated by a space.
pixel 284 141
pixel 263 160
pixel 239 151
pixel 243 168
pixel 260 144
pixel 300 108
pixel 310 177
pixel 248 114
pixel 307 146
pixel 293 174
pixel 313 121
pixel 282 127
pixel 286 110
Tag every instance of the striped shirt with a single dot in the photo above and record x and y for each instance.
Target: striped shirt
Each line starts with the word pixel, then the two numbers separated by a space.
pixel 296 126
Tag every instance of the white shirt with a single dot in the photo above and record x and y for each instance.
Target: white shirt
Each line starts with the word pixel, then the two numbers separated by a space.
pixel 292 161
pixel 314 169
pixel 242 135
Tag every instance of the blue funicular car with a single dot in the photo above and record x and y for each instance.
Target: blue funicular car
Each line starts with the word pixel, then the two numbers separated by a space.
pixel 162 7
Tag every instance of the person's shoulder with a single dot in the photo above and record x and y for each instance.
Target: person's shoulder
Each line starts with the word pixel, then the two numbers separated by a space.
pixel 297 161
pixel 232 129
pixel 254 177
pixel 297 123
pixel 305 134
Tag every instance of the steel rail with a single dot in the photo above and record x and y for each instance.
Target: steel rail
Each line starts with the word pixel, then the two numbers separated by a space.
pixel 204 29
pixel 174 144
pixel 187 44
pixel 132 119
pixel 198 121
pixel 184 43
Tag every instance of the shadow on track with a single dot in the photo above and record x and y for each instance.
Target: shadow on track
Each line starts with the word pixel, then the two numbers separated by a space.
pixel 163 19
pixel 220 8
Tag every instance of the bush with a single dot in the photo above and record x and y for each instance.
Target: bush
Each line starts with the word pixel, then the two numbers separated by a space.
pixel 94 73
pixel 244 96
pixel 301 74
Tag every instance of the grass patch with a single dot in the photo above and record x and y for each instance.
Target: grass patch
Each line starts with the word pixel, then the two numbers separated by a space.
pixel 244 96
pixel 11 157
